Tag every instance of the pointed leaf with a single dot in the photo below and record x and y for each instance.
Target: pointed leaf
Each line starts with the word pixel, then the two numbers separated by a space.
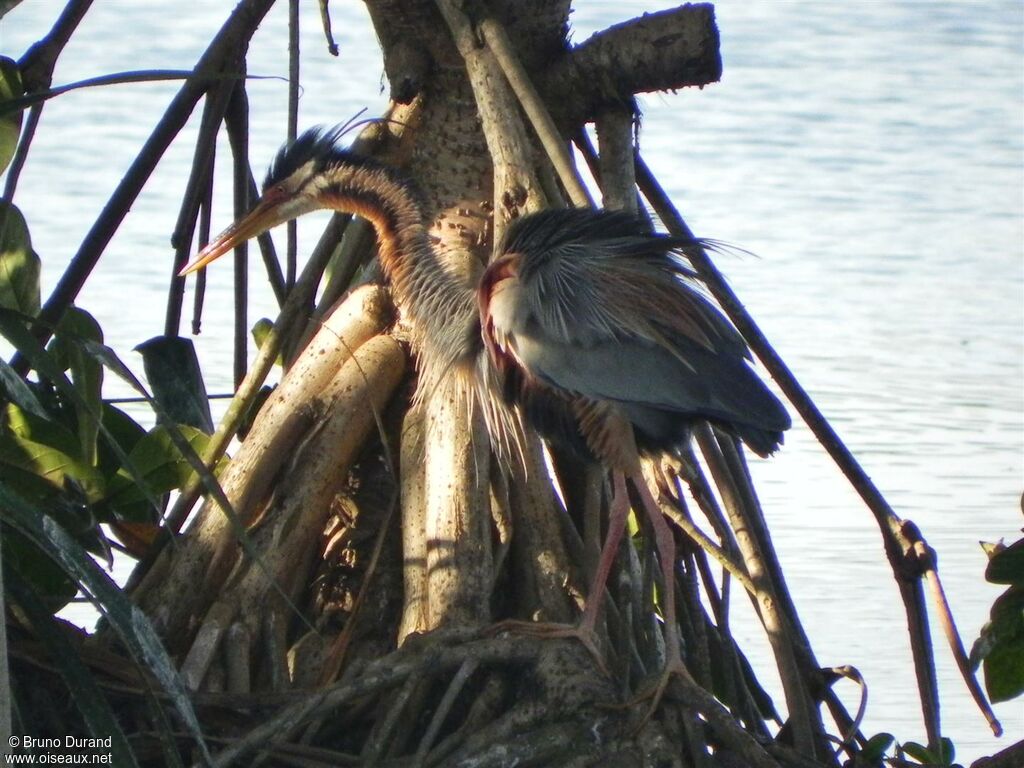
pixel 10 122
pixel 991 548
pixel 161 466
pixel 919 752
pixel 19 264
pixel 30 427
pixel 86 373
pixel 1007 565
pixel 1004 671
pixel 876 747
pixel 114 363
pixel 1002 646
pixel 172 370
pixel 125 431
pixel 19 392
pixel 49 463
pixel 947 750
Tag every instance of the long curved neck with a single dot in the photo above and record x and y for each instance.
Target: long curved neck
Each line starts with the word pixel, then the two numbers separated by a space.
pixel 440 306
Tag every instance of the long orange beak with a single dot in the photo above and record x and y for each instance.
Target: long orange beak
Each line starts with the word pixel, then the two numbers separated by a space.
pixel 266 215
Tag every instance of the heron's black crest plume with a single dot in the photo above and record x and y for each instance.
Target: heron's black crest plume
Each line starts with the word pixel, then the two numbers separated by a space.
pixel 317 144
pixel 320 146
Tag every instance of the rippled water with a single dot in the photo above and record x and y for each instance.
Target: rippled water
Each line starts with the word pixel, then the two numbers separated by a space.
pixel 870 154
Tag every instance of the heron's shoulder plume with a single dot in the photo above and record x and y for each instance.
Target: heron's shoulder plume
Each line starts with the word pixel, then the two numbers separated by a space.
pixel 555 228
pixel 606 240
pixel 318 145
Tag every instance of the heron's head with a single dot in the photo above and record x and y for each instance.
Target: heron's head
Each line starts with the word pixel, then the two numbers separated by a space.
pixel 294 185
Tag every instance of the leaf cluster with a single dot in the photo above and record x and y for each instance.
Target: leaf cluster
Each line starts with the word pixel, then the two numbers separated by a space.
pixel 999 649
pixel 76 472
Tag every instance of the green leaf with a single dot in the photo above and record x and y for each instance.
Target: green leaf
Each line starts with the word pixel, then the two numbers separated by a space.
pixel 124 430
pixel 946 751
pixel 162 467
pixel 1006 618
pixel 19 264
pixel 132 626
pixel 919 752
pixel 43 458
pixel 38 460
pixel 12 328
pixel 29 426
pixel 172 370
pixel 21 555
pixel 86 373
pixel 113 362
pixel 81 685
pixel 1007 565
pixel 261 331
pixel 19 392
pixel 1001 646
pixel 876 747
pixel 10 122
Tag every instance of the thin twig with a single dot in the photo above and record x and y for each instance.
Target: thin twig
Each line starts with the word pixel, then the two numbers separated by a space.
pixel 325 19
pixel 701 539
pixel 381 674
pixel 238 134
pixel 199 182
pixel 37 64
pixel 292 250
pixel 804 718
pixel 469 666
pixel 28 132
pixel 889 523
pixel 199 289
pixel 536 111
pixel 243 21
pixel 953 636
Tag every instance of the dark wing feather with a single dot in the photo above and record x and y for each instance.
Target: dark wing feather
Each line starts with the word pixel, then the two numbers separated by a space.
pixel 612 315
pixel 715 386
pixel 593 274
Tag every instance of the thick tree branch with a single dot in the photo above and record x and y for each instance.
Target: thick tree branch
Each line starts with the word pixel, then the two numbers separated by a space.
pixel 655 52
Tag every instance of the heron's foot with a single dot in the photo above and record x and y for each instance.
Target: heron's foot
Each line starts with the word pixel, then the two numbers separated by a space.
pixel 582 632
pixel 673 666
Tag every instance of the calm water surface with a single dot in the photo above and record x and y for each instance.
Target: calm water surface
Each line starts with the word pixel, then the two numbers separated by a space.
pixel 870 154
